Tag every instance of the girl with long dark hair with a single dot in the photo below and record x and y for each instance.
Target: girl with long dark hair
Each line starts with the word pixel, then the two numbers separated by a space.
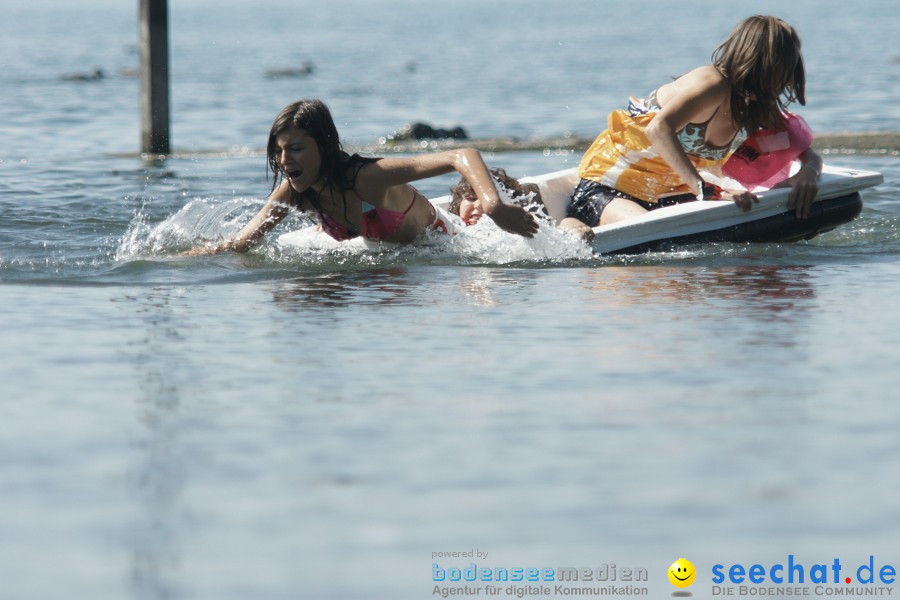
pixel 354 196
pixel 651 153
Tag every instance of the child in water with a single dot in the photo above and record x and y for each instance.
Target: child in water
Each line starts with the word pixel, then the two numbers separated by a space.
pixel 464 202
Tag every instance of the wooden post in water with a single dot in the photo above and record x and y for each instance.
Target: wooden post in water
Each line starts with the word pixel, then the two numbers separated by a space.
pixel 154 32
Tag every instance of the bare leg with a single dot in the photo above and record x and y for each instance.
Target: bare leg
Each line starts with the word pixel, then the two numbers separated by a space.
pixel 620 209
pixel 617 210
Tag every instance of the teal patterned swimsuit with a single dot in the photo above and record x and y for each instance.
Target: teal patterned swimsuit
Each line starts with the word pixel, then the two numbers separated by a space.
pixel 693 136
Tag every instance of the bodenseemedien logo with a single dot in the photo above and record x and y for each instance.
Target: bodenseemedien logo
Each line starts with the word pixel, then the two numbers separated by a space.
pixel 520 581
pixel 682 574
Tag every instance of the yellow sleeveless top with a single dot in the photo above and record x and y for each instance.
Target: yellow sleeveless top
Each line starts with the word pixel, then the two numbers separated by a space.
pixel 623 158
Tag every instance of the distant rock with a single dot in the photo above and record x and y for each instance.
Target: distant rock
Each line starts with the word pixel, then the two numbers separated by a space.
pixel 423 131
pixel 95 75
pixel 304 70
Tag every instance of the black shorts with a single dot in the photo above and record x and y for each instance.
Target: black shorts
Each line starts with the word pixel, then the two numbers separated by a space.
pixel 590 198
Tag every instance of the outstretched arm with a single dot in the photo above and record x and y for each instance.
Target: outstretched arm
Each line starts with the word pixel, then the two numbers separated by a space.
pixel 270 215
pixel 467 162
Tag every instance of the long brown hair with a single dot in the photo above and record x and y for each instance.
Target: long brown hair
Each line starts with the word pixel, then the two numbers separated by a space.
pixel 313 117
pixel 762 61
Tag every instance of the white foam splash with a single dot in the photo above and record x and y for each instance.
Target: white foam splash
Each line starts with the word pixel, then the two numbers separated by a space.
pixel 483 243
pixel 201 221
pixel 205 221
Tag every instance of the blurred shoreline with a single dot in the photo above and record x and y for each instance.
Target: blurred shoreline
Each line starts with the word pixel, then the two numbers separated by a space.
pixel 886 143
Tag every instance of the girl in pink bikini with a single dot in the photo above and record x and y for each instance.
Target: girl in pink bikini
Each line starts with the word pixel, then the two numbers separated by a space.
pixel 354 196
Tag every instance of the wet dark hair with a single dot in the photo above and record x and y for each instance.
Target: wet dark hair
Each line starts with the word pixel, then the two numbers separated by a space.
pixel 762 61
pixel 510 184
pixel 338 170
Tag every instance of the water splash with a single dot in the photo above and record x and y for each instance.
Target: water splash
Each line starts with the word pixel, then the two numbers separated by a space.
pixel 486 243
pixel 482 243
pixel 200 222
pixel 205 221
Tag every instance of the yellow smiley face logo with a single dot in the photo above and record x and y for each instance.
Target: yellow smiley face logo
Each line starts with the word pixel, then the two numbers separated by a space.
pixel 682 573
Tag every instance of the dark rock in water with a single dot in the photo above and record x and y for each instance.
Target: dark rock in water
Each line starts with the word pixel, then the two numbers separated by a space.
pixel 307 68
pixel 423 131
pixel 95 75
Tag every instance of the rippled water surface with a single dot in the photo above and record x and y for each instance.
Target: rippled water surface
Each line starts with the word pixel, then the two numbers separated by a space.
pixel 310 420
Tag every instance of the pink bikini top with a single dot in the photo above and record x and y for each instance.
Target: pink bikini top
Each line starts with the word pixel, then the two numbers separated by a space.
pixel 377 223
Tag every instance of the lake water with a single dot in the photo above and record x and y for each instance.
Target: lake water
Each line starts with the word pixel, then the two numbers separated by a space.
pixel 316 422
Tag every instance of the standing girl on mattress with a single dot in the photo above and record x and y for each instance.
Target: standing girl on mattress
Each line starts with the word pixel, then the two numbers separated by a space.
pixel 650 154
pixel 354 196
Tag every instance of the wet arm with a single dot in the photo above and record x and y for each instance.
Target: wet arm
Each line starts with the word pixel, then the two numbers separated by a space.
pixel 270 215
pixel 811 160
pixel 467 162
pixel 508 217
pixel 805 183
pixel 265 220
